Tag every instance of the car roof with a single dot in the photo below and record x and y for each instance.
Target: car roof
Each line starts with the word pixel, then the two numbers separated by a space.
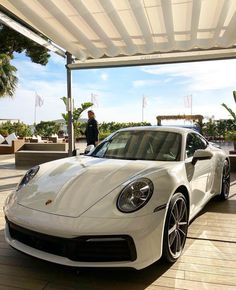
pixel 179 130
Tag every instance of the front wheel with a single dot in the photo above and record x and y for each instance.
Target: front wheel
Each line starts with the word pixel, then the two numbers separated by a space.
pixel 176 228
pixel 225 183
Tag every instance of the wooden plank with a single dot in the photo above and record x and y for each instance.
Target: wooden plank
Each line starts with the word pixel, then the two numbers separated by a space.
pixel 217 218
pixel 22 283
pixel 10 288
pixel 212 225
pixel 32 158
pixel 214 232
pixel 190 285
pixel 210 254
pixel 126 286
pixel 192 267
pixel 212 243
pixel 45 147
pixel 211 278
pixel 209 247
pixel 208 236
pixel 205 263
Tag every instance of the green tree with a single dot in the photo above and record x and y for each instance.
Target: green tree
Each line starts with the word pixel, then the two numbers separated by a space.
pixel 10 42
pixel 209 130
pixel 231 134
pixel 46 129
pixel 76 115
pixel 8 79
pixel 232 113
pixel 221 127
pixel 19 128
pixel 201 125
pixel 105 129
pixel 114 126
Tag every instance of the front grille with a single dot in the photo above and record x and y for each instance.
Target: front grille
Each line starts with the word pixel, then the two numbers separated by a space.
pixel 84 248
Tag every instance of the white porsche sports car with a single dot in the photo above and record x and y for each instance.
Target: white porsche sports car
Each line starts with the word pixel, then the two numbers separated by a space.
pixel 125 204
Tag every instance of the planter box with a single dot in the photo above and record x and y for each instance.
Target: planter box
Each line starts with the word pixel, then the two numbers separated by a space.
pixel 232 158
pixel 31 158
pixel 32 154
pixel 45 146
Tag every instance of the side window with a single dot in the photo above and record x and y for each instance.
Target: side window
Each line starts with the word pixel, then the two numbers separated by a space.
pixel 205 143
pixel 194 142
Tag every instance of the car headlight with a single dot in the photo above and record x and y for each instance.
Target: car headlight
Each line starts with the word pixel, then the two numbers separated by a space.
pixel 28 176
pixel 135 195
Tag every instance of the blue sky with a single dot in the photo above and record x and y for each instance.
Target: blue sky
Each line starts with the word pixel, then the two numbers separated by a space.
pixel 119 91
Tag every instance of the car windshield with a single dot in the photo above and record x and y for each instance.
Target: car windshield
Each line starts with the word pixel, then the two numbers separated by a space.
pixel 141 145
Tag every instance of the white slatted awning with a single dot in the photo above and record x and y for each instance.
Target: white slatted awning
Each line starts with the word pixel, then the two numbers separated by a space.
pixel 102 33
pixel 133 31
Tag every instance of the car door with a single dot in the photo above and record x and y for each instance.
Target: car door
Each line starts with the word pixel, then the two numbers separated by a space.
pixel 198 174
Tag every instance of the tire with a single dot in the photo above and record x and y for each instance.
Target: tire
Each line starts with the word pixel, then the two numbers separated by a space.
pixel 225 183
pixel 176 228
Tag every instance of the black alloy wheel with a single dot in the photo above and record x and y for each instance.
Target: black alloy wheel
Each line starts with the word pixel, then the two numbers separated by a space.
pixel 225 185
pixel 176 228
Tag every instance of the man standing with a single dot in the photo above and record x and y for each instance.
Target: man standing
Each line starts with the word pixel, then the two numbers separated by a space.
pixel 91 131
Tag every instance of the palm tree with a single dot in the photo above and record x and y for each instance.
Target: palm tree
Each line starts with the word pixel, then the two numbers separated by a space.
pixel 231 135
pixel 8 79
pixel 76 115
pixel 209 130
pixel 200 124
pixel 221 127
pixel 232 113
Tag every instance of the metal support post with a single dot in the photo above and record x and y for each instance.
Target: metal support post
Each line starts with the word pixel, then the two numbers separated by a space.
pixel 70 128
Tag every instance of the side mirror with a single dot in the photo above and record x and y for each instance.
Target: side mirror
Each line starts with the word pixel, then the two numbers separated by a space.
pixel 76 152
pixel 88 149
pixel 201 154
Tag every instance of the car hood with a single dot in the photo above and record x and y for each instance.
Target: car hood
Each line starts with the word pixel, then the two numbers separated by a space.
pixel 70 186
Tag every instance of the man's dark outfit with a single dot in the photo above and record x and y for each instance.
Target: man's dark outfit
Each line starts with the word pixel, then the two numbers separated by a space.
pixel 91 132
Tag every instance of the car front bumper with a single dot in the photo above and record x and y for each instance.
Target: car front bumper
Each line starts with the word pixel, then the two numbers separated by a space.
pixel 134 242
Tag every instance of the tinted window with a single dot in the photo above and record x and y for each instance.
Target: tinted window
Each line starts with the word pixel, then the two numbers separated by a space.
pixel 141 145
pixel 194 142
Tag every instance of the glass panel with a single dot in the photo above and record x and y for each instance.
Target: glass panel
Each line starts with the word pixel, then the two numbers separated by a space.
pixel 141 145
pixel 194 142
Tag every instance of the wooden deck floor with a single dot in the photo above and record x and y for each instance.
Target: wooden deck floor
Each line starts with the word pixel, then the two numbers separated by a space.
pixel 209 260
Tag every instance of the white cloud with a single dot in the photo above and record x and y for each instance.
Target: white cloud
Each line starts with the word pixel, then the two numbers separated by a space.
pixel 27 70
pixel 31 81
pixel 57 59
pixel 104 76
pixel 199 76
pixel 23 104
pixel 144 83
pixel 123 103
pixel 48 88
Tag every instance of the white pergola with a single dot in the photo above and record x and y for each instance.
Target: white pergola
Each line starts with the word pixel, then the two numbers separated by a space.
pixel 109 33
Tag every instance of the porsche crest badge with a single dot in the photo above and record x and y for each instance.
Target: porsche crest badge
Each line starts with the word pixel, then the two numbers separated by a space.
pixel 48 202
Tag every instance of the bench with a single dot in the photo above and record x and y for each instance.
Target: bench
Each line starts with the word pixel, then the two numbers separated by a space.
pixel 45 147
pixel 14 147
pixel 32 158
pixel 32 154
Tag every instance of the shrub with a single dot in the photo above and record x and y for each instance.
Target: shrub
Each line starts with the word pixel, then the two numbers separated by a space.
pixel 46 129
pixel 114 126
pixel 19 128
pixel 230 136
pixel 103 135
